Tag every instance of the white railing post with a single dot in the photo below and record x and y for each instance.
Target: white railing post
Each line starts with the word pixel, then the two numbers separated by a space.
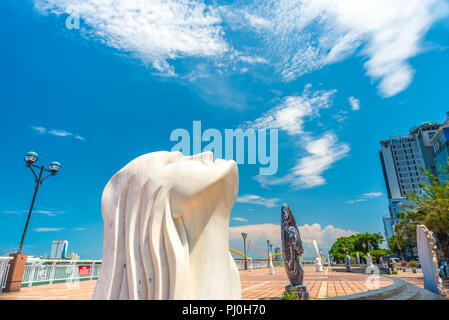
pixel 92 270
pixel 52 272
pixel 31 279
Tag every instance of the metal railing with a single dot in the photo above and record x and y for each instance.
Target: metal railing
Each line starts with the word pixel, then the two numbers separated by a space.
pixel 39 271
pixel 4 270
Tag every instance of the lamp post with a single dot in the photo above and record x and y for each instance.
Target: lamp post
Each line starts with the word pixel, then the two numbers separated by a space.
pixel 268 247
pixel 30 158
pixel 244 235
pixel 18 262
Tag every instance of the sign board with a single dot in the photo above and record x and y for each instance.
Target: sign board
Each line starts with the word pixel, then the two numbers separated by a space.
pixel 83 270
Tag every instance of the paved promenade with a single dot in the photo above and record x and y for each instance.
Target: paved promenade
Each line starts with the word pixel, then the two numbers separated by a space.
pixel 255 285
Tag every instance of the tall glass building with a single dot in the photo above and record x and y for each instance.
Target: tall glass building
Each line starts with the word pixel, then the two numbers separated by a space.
pixel 59 249
pixel 440 148
pixel 402 158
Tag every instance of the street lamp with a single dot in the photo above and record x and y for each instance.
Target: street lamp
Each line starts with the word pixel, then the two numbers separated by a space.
pixel 244 235
pixel 30 158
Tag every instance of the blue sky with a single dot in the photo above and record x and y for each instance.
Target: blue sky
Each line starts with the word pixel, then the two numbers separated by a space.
pixel 335 79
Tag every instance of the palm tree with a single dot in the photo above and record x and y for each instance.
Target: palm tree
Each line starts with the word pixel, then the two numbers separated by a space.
pixel 429 207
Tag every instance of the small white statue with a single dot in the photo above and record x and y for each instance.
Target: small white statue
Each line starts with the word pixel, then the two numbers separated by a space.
pixel 271 270
pixel 166 229
pixel 369 264
pixel 250 265
pixel 318 260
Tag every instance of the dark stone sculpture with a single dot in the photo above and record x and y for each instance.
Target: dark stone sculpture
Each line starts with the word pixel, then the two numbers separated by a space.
pixel 292 249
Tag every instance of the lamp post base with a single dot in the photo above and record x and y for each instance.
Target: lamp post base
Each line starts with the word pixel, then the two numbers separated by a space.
pixel 16 271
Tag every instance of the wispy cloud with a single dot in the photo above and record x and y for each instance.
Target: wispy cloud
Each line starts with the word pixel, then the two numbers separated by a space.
pixel 254 199
pixel 317 153
pixel 50 213
pixel 48 229
pixel 240 219
pixel 153 31
pixel 366 197
pixel 355 103
pixel 296 37
pixel 57 133
pixel 373 194
pixel 357 200
pixel 304 36
pixel 12 212
pixel 294 111
pixel 80 229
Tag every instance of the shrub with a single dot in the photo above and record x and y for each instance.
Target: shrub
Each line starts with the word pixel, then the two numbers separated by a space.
pixel 404 264
pixel 289 294
pixel 413 264
pixel 394 272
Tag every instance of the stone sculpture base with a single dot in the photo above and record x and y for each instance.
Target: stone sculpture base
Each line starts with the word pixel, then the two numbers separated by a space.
pixel 300 291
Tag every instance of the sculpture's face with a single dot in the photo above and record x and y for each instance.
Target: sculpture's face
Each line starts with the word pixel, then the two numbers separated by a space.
pixel 199 179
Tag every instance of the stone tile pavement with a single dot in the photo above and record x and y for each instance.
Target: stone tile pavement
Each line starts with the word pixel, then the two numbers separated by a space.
pixel 255 285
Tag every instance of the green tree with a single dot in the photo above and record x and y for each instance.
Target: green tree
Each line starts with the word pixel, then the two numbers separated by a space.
pixel 354 243
pixel 378 253
pixel 429 207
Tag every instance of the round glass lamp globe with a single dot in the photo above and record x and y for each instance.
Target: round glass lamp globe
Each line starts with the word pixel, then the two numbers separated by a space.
pixel 31 157
pixel 55 166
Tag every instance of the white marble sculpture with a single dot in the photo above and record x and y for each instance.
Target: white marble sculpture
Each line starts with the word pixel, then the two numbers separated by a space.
pixel 357 257
pixel 250 264
pixel 166 229
pixel 428 260
pixel 318 261
pixel 271 268
pixel 369 264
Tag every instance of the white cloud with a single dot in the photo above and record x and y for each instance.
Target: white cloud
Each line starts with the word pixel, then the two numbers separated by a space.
pixel 60 133
pixel 48 213
pixel 366 197
pixel 357 200
pixel 294 111
pixel 154 31
pixel 57 133
pixel 48 229
pixel 79 229
pixel 240 219
pixel 260 233
pixel 373 194
pixel 320 153
pixel 308 173
pixel 295 36
pixel 307 35
pixel 255 199
pixel 252 59
pixel 45 212
pixel 11 212
pixel 355 103
pixel 323 153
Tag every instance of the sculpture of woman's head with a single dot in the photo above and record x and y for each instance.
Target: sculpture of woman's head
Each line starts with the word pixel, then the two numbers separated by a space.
pixel 155 210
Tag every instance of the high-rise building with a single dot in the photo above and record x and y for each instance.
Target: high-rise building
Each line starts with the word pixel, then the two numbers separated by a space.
pixel 59 249
pixel 402 158
pixel 440 148
pixel 277 250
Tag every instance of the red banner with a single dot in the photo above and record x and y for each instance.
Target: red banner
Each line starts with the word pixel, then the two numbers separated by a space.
pixel 83 270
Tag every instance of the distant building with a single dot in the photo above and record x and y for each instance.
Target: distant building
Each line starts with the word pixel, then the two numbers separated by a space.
pixel 402 158
pixel 277 250
pixel 59 249
pixel 73 256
